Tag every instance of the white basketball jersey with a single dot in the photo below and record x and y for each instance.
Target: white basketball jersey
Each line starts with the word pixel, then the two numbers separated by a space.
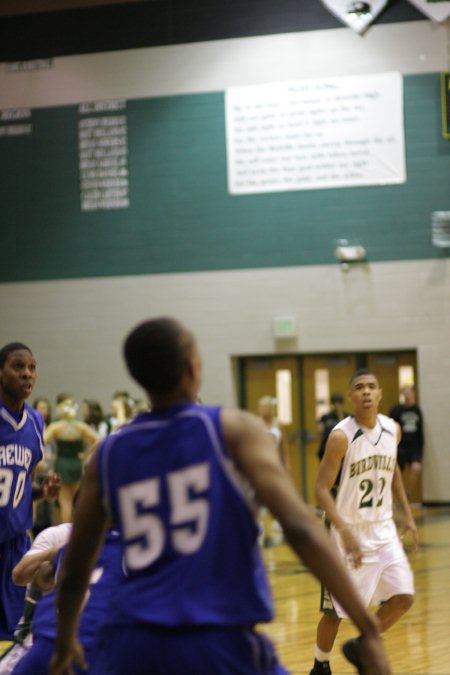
pixel 364 495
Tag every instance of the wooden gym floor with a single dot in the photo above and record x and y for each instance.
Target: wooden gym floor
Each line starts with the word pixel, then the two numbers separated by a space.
pixel 419 643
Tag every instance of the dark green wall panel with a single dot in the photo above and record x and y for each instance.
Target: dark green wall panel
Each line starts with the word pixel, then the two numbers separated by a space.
pixel 181 216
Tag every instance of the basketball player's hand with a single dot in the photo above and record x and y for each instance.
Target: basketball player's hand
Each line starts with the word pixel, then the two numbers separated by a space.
pixel 51 486
pixel 410 525
pixel 64 658
pixel 351 547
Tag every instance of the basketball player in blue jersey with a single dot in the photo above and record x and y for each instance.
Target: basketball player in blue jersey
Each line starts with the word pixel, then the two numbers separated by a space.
pixel 362 451
pixel 21 449
pixel 179 483
pixel 105 576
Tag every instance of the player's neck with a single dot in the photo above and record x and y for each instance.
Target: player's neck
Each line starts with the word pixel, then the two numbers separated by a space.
pixel 368 419
pixel 185 392
pixel 14 405
pixel 162 401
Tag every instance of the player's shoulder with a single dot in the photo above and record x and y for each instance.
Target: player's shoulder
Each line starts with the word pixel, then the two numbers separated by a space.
pixel 344 433
pixel 32 412
pixel 239 426
pixel 236 416
pixel 35 416
pixel 388 422
pixel 347 425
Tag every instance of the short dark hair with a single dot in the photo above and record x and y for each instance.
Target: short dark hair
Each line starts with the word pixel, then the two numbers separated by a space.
pixel 9 349
pixel 95 411
pixel 157 352
pixel 48 417
pixel 120 393
pixel 63 397
pixel 360 372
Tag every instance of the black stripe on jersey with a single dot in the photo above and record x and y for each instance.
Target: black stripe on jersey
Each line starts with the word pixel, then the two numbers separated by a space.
pixel 359 433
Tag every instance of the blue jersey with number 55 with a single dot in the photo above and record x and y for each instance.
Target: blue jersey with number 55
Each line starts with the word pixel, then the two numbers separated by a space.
pixel 187 522
pixel 21 448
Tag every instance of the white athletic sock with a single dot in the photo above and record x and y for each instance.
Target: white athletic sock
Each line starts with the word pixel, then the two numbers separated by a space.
pixel 322 656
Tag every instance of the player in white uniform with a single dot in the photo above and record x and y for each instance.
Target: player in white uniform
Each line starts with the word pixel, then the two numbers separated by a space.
pixel 362 451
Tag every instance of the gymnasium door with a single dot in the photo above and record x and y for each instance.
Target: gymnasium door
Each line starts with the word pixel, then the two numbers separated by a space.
pixel 260 377
pixel 322 377
pixel 309 382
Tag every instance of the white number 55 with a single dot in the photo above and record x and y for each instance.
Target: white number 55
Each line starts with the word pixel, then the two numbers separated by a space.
pixel 188 514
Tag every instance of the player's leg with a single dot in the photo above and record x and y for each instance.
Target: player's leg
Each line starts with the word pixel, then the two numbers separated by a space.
pixel 12 597
pixel 395 590
pixel 391 610
pixel 327 631
pixel 65 501
pixel 365 579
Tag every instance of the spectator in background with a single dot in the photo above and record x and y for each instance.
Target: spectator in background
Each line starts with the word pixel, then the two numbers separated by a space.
pixel 271 532
pixel 409 416
pixel 43 509
pixel 43 406
pixel 121 410
pixel 92 414
pixel 74 440
pixel 140 406
pixel 329 420
pixel 266 411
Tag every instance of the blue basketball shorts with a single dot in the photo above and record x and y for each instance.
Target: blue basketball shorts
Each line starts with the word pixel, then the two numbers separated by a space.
pixel 144 650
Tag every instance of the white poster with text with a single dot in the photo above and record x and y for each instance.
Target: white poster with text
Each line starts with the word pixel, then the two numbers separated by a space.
pixel 315 134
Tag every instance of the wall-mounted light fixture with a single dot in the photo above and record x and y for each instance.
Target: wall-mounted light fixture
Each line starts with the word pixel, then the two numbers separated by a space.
pixel 348 254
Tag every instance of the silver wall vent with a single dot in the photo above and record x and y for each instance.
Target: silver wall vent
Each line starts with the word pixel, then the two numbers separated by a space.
pixel 440 228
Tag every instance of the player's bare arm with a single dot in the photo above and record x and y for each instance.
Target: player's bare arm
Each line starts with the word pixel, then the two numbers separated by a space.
pixel 44 577
pixel 51 432
pixel 400 496
pixel 409 524
pixel 25 569
pixel 330 465
pixel 328 471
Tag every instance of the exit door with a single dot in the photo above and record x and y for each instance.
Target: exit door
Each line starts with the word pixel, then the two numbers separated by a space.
pixel 260 379
pixel 323 376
